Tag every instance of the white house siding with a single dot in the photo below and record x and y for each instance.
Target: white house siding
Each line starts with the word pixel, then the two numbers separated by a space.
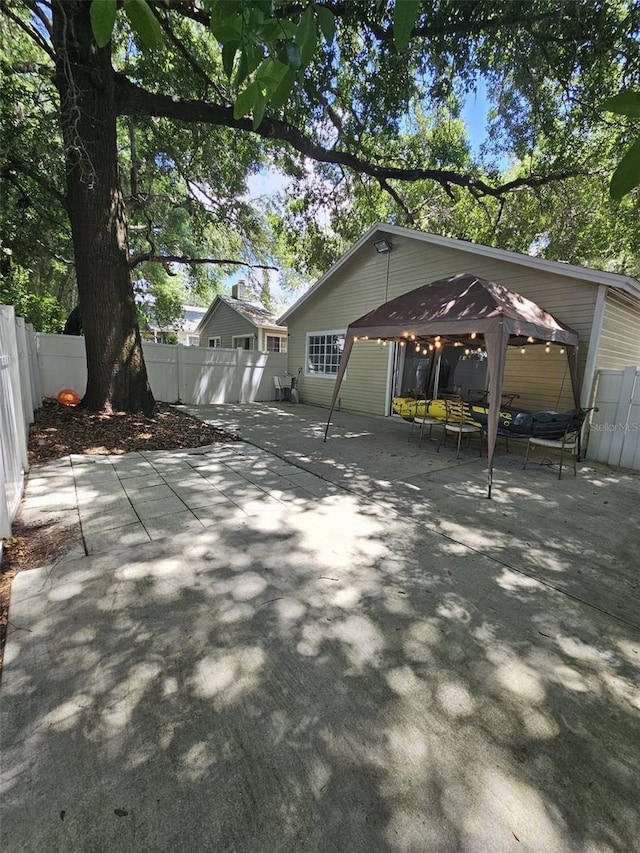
pixel 225 323
pixel 620 335
pixel 360 285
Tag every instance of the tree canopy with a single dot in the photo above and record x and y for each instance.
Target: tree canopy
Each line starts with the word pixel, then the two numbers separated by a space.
pixel 192 97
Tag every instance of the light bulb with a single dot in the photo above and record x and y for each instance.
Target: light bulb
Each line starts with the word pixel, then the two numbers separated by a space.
pixel 473 336
pixel 523 350
pixel 561 350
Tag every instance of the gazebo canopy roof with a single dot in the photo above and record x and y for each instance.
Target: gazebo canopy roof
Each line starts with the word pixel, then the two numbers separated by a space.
pixel 458 307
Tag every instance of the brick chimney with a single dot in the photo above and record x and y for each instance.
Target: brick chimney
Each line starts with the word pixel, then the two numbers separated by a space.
pixel 241 291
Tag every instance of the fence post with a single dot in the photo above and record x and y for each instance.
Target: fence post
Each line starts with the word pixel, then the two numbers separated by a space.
pixel 24 368
pixel 180 373
pixel 34 372
pixel 239 373
pixel 5 521
pixel 7 318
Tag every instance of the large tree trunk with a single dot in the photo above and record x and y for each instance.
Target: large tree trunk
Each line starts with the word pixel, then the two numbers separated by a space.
pixel 116 372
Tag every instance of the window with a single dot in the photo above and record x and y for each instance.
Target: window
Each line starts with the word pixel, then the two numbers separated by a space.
pixel 214 342
pixel 324 351
pixel 276 343
pixel 243 341
pixel 194 341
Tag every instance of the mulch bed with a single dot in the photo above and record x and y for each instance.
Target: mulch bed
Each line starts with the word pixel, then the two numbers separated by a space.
pixel 61 430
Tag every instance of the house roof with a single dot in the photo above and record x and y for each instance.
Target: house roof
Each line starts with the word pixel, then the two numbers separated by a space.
pixel 191 316
pixel 255 314
pixel 622 282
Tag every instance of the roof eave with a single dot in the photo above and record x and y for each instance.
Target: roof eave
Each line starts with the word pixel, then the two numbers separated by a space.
pixel 615 280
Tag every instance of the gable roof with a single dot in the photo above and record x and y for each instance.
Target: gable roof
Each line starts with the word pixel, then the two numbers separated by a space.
pixel 257 315
pixel 623 282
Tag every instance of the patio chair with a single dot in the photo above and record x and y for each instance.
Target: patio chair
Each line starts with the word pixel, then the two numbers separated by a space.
pixel 279 388
pixel 456 423
pixel 425 420
pixel 569 444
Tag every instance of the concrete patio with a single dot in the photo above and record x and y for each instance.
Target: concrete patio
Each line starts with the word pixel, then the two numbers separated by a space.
pixel 347 648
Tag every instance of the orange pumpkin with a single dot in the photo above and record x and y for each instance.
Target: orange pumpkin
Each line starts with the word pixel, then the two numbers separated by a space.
pixel 68 397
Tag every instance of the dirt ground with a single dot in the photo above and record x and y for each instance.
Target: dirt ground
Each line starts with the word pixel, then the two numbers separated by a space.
pixel 61 430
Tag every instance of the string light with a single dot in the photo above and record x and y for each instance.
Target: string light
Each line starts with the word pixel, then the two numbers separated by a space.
pixel 523 350
pixel 547 348
pixel 413 337
pixel 384 343
pixel 402 343
pixel 437 344
pixel 430 347
pixel 424 352
pixel 529 340
pixel 467 352
pixel 473 336
pixel 561 350
pixel 355 340
pixel 417 347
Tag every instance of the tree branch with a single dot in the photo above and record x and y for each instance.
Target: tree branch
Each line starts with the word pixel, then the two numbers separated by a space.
pixel 33 34
pixel 133 100
pixel 14 166
pixel 187 259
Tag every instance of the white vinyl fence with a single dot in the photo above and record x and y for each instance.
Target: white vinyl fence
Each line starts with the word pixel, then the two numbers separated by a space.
pixel 19 396
pixel 192 375
pixel 614 432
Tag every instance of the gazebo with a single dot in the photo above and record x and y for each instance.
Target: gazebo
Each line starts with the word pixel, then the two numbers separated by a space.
pixel 455 311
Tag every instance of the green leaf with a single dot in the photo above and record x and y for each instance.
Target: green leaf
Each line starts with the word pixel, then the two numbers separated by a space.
pixel 103 18
pixel 405 15
pixel 229 50
pixel 144 22
pixel 274 30
pixel 242 72
pixel 307 36
pixel 254 54
pixel 627 175
pixel 259 104
pixel 227 29
pixel 289 54
pixel 245 101
pixel 625 103
pixel 327 22
pixel 265 6
pixel 270 74
pixel 281 94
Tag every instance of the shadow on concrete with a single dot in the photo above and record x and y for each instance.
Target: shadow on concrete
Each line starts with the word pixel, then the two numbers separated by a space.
pixel 338 678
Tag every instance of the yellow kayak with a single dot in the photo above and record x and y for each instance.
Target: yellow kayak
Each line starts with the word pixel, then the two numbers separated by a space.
pixel 410 408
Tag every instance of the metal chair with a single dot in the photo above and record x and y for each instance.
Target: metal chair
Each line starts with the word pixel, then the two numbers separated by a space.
pixel 568 444
pixel 456 423
pixel 425 420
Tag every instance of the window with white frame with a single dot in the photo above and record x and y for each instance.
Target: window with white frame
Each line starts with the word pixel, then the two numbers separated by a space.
pixel 324 351
pixel 276 343
pixel 214 342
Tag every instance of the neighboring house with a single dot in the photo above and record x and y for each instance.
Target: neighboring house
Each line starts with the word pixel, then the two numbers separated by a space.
pixel 234 322
pixel 184 328
pixel 604 308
